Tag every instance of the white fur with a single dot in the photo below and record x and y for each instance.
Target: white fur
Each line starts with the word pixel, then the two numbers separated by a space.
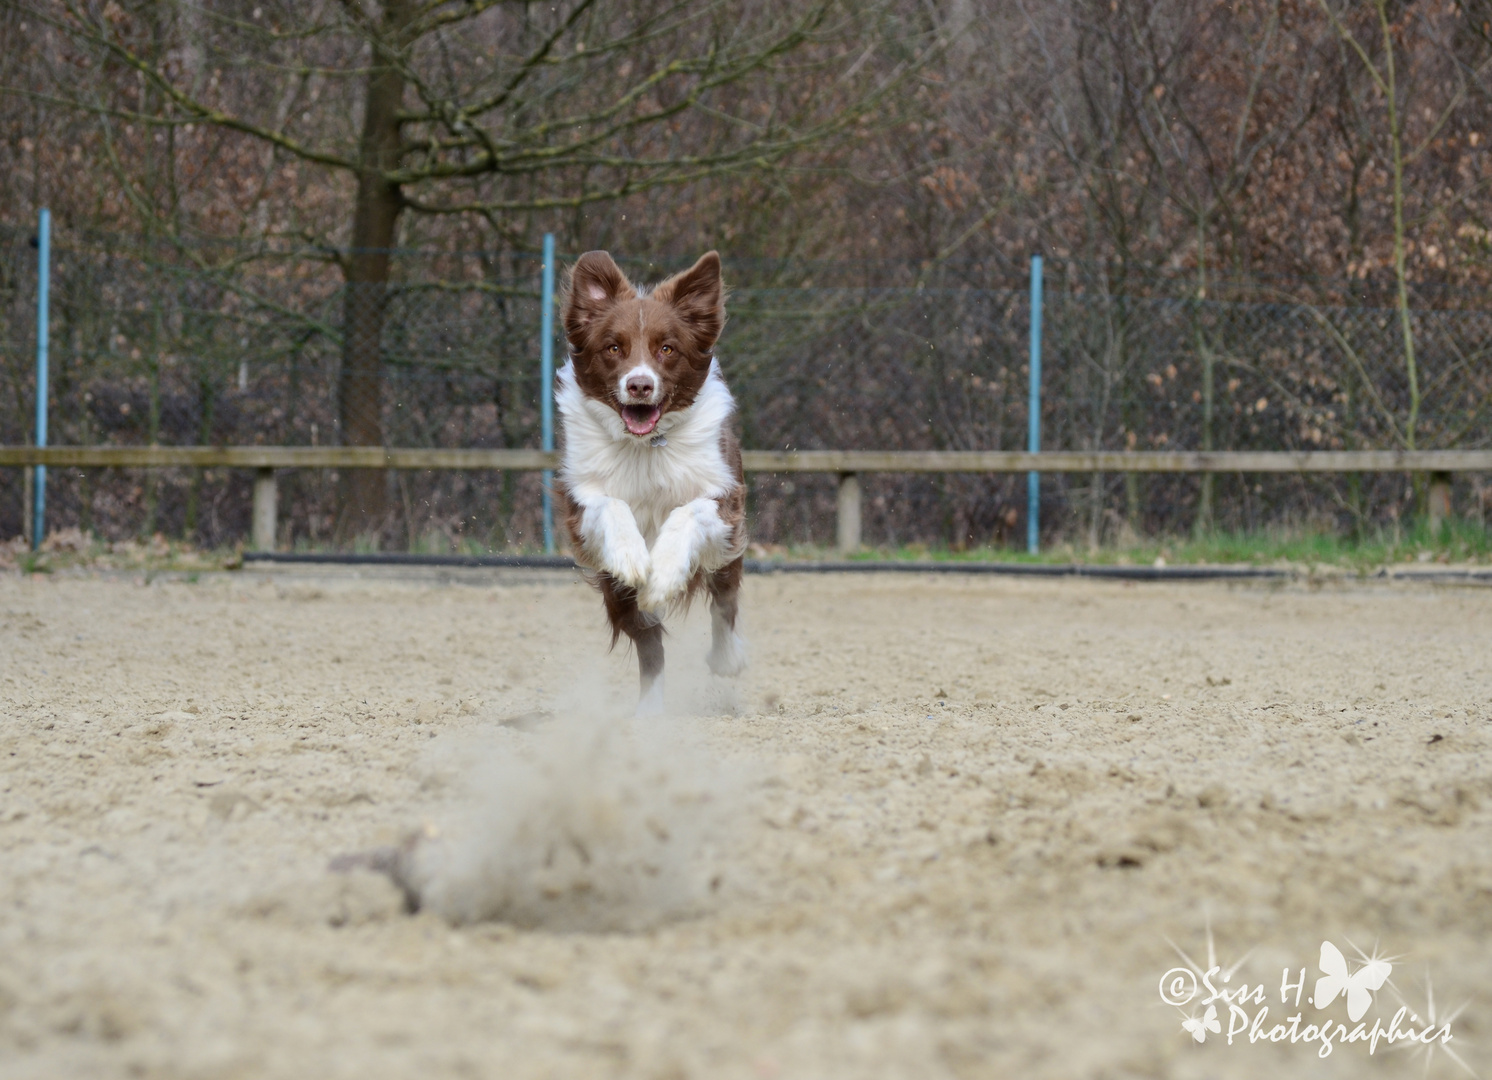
pixel 693 536
pixel 666 493
pixel 609 526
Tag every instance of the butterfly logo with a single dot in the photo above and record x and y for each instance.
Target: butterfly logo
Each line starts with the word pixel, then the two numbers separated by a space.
pixel 1358 987
pixel 1200 1026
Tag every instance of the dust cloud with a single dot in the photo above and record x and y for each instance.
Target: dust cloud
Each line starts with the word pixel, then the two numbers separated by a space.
pixel 603 823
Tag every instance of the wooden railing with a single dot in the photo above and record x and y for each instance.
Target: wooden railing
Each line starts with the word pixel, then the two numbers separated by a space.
pixel 847 464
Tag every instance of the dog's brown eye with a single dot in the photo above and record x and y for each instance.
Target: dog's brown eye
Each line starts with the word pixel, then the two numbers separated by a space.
pixel 667 349
pixel 613 349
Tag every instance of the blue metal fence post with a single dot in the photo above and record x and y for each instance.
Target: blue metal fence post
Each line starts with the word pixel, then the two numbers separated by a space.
pixel 546 383
pixel 1033 478
pixel 43 281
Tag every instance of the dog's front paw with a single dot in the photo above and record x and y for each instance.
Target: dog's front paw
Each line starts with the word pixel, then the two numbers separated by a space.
pixel 651 701
pixel 627 560
pixel 668 579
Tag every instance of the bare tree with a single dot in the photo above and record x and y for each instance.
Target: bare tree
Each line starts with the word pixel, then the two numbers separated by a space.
pixel 1414 65
pixel 1204 76
pixel 489 111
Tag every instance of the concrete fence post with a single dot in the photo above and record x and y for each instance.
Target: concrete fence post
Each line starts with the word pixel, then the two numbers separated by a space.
pixel 849 513
pixel 266 497
pixel 1439 501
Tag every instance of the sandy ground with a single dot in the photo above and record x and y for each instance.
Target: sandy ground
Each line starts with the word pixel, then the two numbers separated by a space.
pixel 964 818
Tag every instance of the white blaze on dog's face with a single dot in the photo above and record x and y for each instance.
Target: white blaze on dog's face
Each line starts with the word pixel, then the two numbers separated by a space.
pixel 645 354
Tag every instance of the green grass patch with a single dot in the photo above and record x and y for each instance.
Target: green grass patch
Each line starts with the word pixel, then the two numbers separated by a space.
pixel 71 549
pixel 1457 542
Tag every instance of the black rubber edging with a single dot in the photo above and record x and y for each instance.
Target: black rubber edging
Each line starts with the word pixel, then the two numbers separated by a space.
pixel 1130 573
pixel 769 566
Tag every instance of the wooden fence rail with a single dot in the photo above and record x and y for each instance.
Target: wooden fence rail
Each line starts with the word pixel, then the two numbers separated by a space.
pixel 831 461
pixel 848 464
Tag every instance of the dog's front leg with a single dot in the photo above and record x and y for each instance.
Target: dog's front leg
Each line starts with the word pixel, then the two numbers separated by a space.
pixel 646 633
pixel 694 535
pixel 610 536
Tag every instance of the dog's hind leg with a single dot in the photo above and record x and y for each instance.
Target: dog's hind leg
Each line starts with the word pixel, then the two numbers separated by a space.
pixel 727 650
pixel 648 639
pixel 645 631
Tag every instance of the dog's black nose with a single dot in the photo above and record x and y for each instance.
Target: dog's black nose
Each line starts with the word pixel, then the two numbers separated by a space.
pixel 639 386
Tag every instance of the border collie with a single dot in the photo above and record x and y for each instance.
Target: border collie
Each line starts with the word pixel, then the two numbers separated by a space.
pixel 650 475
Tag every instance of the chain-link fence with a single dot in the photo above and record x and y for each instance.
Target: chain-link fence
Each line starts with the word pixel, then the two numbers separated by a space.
pixel 157 341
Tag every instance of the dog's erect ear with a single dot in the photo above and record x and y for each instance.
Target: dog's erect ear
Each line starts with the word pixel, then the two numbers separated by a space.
pixel 595 283
pixel 698 295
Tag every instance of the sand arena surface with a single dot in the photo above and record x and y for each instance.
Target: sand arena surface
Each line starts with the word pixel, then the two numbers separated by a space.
pixel 964 816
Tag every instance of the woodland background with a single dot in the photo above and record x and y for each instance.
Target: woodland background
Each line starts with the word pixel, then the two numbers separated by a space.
pixel 1266 225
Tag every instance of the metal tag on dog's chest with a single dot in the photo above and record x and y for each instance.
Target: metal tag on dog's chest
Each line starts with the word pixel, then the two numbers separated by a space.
pixel 657 440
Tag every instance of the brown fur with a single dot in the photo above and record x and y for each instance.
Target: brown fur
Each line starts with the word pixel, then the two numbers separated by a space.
pixel 644 631
pixel 724 584
pixel 612 328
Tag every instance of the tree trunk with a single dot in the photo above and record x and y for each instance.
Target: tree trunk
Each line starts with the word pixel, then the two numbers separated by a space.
pixel 1203 526
pixel 364 508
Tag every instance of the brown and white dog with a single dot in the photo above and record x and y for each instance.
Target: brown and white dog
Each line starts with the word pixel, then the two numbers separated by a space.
pixel 650 474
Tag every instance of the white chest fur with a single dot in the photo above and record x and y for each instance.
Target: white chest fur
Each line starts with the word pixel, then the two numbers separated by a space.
pixel 601 460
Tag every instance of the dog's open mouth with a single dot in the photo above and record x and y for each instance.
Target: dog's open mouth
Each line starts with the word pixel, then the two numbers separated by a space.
pixel 641 419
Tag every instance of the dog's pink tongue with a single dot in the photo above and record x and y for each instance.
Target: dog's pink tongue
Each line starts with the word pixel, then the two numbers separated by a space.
pixel 640 419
